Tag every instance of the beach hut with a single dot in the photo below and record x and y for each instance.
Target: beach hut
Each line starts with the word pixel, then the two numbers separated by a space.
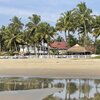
pixel 78 50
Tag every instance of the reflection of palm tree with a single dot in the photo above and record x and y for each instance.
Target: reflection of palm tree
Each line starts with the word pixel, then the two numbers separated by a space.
pixel 46 83
pixel 71 88
pixel 97 96
pixel 50 97
pixel 86 89
pixel 79 88
pixel 66 89
pixel 15 85
pixel 97 82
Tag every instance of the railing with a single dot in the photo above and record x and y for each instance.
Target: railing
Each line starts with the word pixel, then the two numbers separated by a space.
pixel 46 56
pixel 73 56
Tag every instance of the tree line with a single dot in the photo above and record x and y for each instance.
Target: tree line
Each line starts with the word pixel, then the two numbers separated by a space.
pixel 80 26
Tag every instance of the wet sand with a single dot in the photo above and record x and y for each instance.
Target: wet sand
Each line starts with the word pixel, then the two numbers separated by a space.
pixel 37 94
pixel 59 68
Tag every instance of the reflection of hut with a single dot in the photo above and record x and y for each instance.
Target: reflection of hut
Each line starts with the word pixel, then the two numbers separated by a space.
pixel 77 49
pixel 61 47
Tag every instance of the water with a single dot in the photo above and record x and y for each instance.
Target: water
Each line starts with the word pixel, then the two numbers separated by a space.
pixel 73 89
pixel 77 89
pixel 23 83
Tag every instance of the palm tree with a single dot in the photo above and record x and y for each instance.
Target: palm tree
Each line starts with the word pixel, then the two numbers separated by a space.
pixel 13 34
pixel 66 23
pixel 2 35
pixel 16 23
pixel 96 29
pixel 32 26
pixel 12 39
pixel 85 19
pixel 45 33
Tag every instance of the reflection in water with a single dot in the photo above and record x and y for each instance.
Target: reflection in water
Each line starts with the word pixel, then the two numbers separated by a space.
pixel 77 89
pixel 73 89
pixel 22 83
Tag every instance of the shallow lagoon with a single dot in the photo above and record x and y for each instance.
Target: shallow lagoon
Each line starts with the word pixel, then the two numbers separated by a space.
pixel 73 89
pixel 77 89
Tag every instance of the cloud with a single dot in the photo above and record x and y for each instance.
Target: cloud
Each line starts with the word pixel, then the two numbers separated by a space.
pixel 96 12
pixel 46 16
pixel 50 17
pixel 14 11
pixel 49 10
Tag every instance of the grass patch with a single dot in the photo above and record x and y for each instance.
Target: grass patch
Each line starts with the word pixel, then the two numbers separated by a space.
pixel 97 57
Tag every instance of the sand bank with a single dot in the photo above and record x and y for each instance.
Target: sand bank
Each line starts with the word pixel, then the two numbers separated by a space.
pixel 56 67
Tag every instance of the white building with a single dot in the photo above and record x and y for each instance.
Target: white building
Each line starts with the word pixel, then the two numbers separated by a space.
pixel 34 50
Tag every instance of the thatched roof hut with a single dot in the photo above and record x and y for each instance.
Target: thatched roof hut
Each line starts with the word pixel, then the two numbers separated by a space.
pixel 77 49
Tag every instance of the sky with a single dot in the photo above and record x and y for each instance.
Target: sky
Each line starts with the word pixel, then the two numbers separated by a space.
pixel 49 10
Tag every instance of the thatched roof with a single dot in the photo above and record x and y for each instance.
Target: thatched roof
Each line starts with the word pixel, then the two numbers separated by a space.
pixel 77 49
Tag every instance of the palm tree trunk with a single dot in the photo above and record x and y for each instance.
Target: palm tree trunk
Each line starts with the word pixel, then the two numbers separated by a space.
pixel 28 48
pixel 35 49
pixel 23 48
pixel 15 46
pixel 85 35
pixel 0 46
pixel 38 49
pixel 48 50
pixel 95 46
pixel 44 49
pixel 68 38
pixel 65 36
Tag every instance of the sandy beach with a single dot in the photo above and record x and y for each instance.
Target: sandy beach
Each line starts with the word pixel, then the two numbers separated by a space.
pixel 56 67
